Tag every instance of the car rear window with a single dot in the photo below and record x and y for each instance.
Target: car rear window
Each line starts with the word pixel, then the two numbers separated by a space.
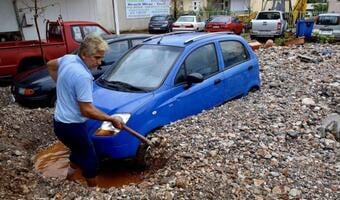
pixel 158 18
pixel 269 15
pixel 220 19
pixel 186 19
pixel 328 20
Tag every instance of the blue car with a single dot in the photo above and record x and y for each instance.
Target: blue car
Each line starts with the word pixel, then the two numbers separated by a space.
pixel 166 78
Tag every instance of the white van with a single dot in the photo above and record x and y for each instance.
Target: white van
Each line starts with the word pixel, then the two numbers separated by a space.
pixel 327 24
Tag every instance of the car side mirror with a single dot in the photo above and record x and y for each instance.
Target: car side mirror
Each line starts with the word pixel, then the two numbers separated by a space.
pixel 194 78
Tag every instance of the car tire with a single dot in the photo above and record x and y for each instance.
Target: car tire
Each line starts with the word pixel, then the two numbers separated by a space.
pixel 53 101
pixel 140 159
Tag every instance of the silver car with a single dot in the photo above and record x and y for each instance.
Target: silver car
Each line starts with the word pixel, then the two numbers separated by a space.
pixel 327 24
pixel 188 23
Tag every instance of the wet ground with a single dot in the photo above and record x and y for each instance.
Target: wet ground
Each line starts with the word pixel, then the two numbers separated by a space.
pixel 54 162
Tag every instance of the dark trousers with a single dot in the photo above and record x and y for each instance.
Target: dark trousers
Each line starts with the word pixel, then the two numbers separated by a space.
pixel 83 153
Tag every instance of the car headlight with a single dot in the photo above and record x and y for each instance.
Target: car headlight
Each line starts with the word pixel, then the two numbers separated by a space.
pixel 108 129
pixel 164 25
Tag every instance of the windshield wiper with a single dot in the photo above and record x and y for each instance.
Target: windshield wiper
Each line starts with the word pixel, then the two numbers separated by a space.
pixel 120 84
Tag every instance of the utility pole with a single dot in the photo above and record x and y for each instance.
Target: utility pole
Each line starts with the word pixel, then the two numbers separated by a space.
pixel 14 2
pixel 115 16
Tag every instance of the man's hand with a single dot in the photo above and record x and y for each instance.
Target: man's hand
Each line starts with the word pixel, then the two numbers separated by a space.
pixel 52 67
pixel 117 122
pixel 88 110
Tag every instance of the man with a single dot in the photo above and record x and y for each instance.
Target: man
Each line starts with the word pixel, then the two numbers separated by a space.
pixel 74 103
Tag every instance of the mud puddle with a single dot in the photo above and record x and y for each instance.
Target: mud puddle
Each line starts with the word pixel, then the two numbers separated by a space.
pixel 54 162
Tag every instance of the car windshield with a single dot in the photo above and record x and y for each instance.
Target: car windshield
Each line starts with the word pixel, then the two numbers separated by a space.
pixel 158 18
pixel 143 68
pixel 328 20
pixel 220 19
pixel 186 19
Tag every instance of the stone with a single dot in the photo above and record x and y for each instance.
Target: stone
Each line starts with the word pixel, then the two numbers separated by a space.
pixel 308 102
pixel 294 192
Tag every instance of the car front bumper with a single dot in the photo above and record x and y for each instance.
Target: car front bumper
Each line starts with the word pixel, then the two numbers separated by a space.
pixel 183 29
pixel 265 33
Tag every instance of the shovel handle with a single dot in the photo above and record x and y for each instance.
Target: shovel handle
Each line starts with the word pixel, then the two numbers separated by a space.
pixel 138 135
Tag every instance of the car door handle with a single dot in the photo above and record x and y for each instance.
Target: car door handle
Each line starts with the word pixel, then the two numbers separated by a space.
pixel 250 68
pixel 217 81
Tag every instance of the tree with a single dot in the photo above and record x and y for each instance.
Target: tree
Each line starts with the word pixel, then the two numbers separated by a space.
pixel 37 27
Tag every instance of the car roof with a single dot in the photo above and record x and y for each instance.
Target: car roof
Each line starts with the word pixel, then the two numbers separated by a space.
pixel 188 16
pixel 329 14
pixel 111 38
pixel 183 38
pixel 270 11
pixel 165 15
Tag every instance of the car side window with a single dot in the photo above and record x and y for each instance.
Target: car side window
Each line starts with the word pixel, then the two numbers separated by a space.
pixel 202 60
pixel 80 32
pixel 76 33
pixel 116 49
pixel 93 30
pixel 136 42
pixel 233 53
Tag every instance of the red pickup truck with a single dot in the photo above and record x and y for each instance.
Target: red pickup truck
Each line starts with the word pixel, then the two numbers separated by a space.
pixel 62 37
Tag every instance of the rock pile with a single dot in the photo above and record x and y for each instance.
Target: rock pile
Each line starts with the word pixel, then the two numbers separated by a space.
pixel 276 143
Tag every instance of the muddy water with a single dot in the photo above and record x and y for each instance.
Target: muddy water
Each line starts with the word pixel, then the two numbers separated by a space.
pixel 54 162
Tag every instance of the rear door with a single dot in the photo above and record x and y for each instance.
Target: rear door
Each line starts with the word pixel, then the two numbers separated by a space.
pixel 238 68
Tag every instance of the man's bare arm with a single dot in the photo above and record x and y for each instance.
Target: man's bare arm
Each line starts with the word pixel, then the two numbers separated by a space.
pixel 88 110
pixel 52 67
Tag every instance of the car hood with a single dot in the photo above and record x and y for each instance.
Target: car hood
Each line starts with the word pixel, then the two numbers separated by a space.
pixel 32 77
pixel 112 101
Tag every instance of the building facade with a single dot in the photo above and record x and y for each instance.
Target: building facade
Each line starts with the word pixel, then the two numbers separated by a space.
pixel 334 6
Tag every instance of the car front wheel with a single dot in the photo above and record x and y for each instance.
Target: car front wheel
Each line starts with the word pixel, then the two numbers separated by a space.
pixel 140 159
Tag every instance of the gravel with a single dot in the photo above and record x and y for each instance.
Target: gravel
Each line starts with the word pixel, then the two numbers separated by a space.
pixel 280 142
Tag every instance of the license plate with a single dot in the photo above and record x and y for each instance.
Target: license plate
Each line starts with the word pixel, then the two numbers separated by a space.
pixel 216 27
pixel 156 28
pixel 326 32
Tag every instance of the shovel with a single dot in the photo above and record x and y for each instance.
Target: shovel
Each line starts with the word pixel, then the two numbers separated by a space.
pixel 129 130
pixel 138 135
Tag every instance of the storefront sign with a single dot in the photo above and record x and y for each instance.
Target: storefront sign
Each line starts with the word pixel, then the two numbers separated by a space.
pixel 146 8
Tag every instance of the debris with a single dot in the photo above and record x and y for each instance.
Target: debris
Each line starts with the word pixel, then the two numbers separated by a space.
pixel 255 45
pixel 266 145
pixel 307 59
pixel 269 43
pixel 332 124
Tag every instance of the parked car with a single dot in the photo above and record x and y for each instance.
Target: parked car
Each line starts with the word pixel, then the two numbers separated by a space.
pixel 37 88
pixel 62 37
pixel 161 23
pixel 327 24
pixel 224 23
pixel 188 23
pixel 167 78
pixel 268 24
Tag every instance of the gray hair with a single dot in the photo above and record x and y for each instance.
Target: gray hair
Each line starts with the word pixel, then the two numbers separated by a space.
pixel 92 44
